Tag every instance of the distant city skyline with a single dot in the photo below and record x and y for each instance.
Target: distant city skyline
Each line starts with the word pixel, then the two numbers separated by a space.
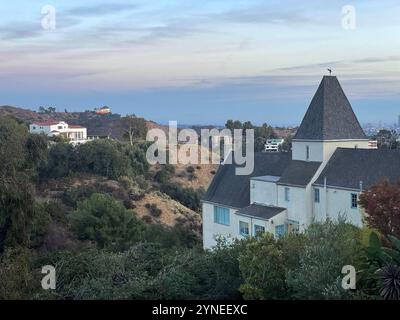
pixel 201 62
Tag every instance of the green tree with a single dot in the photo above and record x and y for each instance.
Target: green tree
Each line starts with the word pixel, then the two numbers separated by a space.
pixel 19 158
pixel 61 161
pixel 262 268
pixel 134 128
pixel 104 157
pixel 105 220
pixel 329 246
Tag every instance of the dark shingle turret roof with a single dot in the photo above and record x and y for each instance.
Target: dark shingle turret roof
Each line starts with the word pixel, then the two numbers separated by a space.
pixel 347 167
pixel 330 115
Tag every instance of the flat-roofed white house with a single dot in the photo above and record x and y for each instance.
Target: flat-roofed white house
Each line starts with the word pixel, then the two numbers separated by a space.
pixel 330 164
pixel 272 145
pixel 74 133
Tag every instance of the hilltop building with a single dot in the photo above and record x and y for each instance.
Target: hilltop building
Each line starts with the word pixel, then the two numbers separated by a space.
pixel 103 110
pixel 272 145
pixel 75 134
pixel 331 162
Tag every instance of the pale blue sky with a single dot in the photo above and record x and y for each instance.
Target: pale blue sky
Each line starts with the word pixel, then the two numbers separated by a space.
pixel 200 61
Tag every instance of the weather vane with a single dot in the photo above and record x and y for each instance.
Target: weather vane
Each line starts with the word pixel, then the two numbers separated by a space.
pixel 330 71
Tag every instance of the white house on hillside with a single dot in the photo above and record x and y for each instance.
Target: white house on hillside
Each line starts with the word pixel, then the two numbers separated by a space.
pixel 75 134
pixel 272 145
pixel 330 164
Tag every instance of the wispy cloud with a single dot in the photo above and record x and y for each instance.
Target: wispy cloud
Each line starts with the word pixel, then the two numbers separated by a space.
pixel 101 9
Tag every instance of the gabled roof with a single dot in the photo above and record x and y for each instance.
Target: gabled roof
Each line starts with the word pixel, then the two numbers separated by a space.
pixel 299 173
pixel 260 211
pixel 347 167
pixel 233 190
pixel 330 115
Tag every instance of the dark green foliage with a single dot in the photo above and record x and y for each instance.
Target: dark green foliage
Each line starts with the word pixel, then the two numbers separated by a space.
pixel 389 277
pixel 16 210
pixel 262 268
pixel 154 210
pixel 381 272
pixel 108 158
pixel 261 134
pixel 20 155
pixel 72 196
pixel 187 196
pixel 165 174
pixel 17 279
pixel 62 161
pixel 105 221
pixel 329 247
pixel 190 169
pixel 40 224
pixel 105 158
pixel 145 271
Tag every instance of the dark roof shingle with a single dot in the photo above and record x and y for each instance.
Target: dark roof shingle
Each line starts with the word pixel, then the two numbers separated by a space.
pixel 347 167
pixel 330 115
pixel 299 173
pixel 233 190
pixel 260 211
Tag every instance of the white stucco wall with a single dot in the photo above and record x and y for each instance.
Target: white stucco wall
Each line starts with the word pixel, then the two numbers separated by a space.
pixel 299 206
pixel 322 150
pixel 211 230
pixel 263 192
pixel 299 150
pixel 335 202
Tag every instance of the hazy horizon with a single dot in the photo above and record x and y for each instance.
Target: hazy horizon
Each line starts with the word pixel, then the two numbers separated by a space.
pixel 201 63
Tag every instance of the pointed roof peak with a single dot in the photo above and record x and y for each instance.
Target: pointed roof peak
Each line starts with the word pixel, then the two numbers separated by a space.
pixel 330 115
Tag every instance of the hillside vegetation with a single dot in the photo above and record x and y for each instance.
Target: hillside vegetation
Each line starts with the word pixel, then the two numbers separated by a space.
pixel 115 228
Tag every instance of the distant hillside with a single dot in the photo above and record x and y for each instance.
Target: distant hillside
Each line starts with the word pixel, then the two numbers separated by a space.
pixel 103 125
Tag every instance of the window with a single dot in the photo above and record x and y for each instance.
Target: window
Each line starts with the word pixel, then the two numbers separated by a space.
pixel 354 201
pixel 307 152
pixel 244 228
pixel 316 195
pixel 258 230
pixel 287 194
pixel 293 227
pixel 221 215
pixel 280 231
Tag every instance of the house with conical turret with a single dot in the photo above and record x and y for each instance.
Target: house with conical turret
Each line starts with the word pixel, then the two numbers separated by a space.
pixel 330 164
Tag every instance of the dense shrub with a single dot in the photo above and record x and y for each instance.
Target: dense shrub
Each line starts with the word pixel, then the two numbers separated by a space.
pixel 108 158
pixel 104 220
pixel 154 210
pixel 187 196
pixel 329 246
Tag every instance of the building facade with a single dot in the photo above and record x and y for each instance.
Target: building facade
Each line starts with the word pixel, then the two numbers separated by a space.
pixel 75 134
pixel 331 162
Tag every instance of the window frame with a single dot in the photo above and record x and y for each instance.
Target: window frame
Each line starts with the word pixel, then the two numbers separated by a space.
pixel 246 227
pixel 317 195
pixel 257 234
pixel 353 202
pixel 282 228
pixel 287 194
pixel 221 216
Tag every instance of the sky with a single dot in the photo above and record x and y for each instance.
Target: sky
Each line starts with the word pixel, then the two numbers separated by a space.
pixel 200 62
